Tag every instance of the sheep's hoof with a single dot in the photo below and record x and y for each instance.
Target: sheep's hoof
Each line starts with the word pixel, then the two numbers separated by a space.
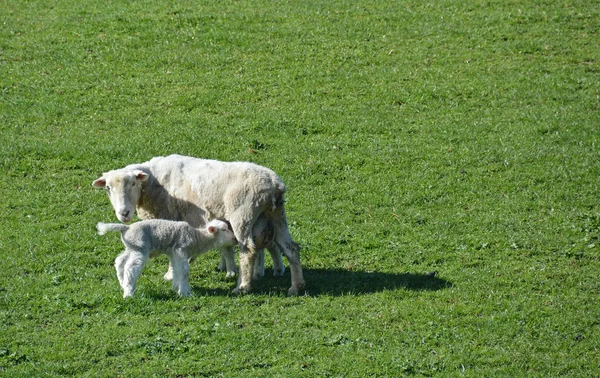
pixel 258 275
pixel 295 290
pixel 279 272
pixel 241 290
pixel 185 294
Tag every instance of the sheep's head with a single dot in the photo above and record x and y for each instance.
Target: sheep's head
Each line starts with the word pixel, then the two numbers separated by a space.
pixel 124 189
pixel 222 233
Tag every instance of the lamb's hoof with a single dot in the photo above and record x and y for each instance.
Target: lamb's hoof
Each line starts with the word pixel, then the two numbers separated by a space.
pixel 230 274
pixel 185 294
pixel 295 290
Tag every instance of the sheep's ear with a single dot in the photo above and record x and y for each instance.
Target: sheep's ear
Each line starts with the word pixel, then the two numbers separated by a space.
pixel 141 176
pixel 99 183
pixel 212 229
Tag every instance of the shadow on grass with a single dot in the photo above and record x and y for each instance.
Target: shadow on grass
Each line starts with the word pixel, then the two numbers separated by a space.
pixel 341 282
pixel 338 282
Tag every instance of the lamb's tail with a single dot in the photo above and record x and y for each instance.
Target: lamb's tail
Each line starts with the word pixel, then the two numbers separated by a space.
pixel 103 228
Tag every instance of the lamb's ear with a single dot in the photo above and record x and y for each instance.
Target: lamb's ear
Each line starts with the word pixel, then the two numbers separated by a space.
pixel 99 183
pixel 212 229
pixel 141 176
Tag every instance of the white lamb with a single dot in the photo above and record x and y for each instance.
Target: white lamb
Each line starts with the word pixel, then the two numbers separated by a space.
pixel 178 240
pixel 188 189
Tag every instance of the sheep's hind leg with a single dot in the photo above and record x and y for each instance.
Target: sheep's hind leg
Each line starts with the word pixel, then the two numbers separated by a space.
pixel 291 249
pixel 259 265
pixel 278 267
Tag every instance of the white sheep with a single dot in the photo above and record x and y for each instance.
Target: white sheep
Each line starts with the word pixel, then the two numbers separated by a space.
pixel 178 240
pixel 189 189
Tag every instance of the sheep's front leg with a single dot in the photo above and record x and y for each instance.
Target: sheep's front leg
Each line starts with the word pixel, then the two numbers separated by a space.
pixel 248 251
pixel 247 259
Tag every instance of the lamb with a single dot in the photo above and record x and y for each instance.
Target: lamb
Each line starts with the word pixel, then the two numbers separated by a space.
pixel 189 189
pixel 178 240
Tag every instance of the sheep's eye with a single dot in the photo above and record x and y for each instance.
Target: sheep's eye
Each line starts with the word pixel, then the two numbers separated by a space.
pixel 133 183
pixel 107 188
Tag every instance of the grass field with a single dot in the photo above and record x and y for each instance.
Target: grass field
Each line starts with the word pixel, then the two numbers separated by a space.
pixel 460 137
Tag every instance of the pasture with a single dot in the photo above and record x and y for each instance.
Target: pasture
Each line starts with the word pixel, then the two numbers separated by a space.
pixel 457 137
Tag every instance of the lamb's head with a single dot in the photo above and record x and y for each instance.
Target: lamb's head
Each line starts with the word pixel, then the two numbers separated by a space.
pixel 124 188
pixel 223 235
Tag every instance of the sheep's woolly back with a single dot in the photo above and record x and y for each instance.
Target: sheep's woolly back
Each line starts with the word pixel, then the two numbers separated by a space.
pixel 195 190
pixel 103 228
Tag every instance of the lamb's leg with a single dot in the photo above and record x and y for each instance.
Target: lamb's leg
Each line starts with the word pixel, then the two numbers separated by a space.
pixel 222 263
pixel 285 243
pixel 133 267
pixel 228 261
pixel 120 266
pixel 169 275
pixel 181 273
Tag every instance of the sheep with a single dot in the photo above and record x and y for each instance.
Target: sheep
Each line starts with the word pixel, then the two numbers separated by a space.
pixel 189 189
pixel 178 240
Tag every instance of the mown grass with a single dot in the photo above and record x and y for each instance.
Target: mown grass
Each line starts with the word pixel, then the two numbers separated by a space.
pixel 457 137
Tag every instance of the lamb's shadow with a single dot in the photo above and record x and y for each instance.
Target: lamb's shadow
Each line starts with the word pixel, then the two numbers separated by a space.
pixel 338 282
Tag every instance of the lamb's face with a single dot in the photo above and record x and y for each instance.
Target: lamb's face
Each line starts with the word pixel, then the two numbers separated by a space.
pixel 224 236
pixel 124 189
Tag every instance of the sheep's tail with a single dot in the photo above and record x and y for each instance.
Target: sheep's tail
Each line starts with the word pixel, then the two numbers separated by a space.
pixel 103 228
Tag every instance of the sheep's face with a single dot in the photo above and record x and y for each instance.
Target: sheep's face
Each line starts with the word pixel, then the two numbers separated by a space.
pixel 220 230
pixel 124 189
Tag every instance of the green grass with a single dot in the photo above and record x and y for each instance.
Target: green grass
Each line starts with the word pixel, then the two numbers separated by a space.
pixel 453 136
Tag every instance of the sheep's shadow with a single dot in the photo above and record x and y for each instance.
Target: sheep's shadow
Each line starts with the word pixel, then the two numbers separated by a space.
pixel 337 282
pixel 342 282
